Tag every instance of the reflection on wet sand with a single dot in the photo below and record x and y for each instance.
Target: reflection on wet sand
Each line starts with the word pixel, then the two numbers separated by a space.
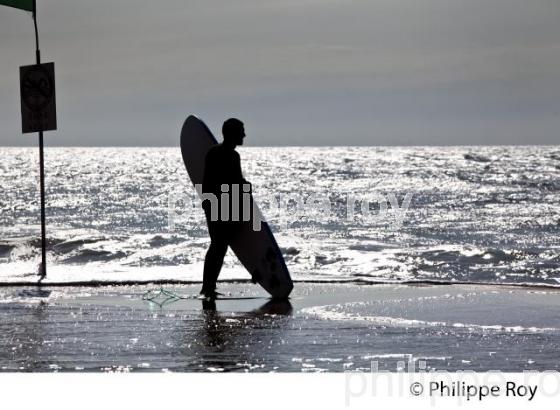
pixel 230 341
pixel 27 337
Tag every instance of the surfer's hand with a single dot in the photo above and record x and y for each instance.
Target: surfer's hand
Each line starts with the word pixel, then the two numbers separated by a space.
pixel 206 206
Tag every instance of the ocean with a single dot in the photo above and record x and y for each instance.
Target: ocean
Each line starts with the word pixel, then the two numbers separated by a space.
pixel 388 214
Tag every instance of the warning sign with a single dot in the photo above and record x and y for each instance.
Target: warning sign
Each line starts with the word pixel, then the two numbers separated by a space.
pixel 38 102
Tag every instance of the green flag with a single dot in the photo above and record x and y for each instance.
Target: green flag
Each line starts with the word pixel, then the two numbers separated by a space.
pixel 19 4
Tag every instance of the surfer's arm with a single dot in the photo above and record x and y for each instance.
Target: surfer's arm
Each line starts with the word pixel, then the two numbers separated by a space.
pixel 245 182
pixel 237 170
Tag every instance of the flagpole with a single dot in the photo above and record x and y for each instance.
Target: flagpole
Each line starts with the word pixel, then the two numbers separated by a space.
pixel 43 266
pixel 37 51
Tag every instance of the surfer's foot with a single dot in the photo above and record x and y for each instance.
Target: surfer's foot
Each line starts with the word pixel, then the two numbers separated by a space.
pixel 210 294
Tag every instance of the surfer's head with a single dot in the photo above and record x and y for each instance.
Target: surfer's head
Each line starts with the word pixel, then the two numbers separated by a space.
pixel 233 131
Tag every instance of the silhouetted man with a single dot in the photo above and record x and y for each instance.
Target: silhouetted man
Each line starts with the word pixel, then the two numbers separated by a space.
pixel 222 166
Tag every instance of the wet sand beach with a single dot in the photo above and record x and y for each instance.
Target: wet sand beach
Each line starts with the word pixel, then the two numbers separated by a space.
pixel 323 327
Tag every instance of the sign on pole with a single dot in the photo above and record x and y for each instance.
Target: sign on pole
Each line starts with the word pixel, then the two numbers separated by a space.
pixel 38 102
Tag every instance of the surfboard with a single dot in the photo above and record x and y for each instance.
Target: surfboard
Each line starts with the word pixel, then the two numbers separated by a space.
pixel 257 250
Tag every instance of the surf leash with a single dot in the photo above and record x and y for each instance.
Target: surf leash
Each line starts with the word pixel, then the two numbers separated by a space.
pixel 161 297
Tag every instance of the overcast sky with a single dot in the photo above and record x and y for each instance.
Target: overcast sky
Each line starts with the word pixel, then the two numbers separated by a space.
pixel 297 72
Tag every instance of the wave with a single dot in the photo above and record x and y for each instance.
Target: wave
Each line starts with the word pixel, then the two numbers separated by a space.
pixel 98 248
pixel 325 313
pixel 126 258
pixel 157 241
pixel 478 257
pixel 432 310
pixel 93 255
pixel 6 249
pixel 476 158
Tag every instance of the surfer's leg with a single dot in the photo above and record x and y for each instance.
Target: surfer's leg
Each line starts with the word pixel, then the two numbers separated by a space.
pixel 213 265
pixel 214 258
